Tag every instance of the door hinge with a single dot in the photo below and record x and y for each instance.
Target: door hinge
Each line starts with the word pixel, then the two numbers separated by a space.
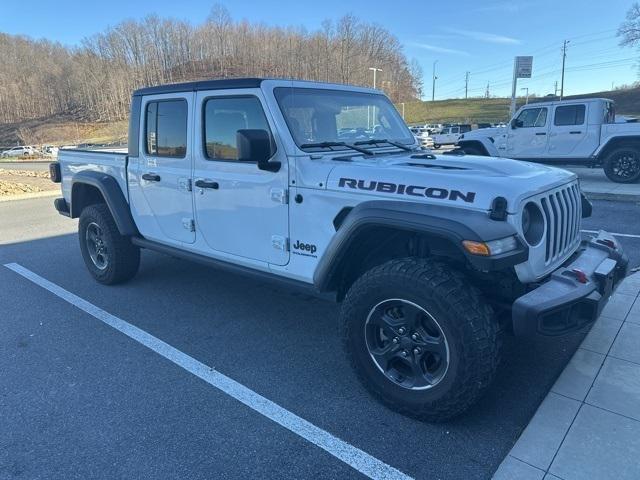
pixel 279 195
pixel 280 243
pixel 189 224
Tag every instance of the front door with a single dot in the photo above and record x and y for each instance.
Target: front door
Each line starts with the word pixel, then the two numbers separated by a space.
pixel 240 209
pixel 528 137
pixel 159 178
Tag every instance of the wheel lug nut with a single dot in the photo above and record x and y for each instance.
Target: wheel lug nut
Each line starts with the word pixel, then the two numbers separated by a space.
pixel 416 350
pixel 404 353
pixel 414 336
pixel 395 340
pixel 401 330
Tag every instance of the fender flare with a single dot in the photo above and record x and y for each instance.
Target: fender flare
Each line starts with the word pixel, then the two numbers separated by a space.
pixel 453 224
pixel 604 148
pixel 486 144
pixel 110 190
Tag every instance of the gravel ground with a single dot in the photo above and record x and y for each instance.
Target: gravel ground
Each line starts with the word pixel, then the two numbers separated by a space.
pixel 15 182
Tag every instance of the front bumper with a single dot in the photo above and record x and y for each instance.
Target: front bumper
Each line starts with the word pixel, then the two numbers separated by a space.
pixel 575 294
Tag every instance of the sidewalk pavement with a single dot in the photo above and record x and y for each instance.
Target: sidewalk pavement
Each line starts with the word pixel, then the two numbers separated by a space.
pixel 588 426
pixel 595 185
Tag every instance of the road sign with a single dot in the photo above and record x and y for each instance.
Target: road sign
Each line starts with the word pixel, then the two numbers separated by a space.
pixel 524 66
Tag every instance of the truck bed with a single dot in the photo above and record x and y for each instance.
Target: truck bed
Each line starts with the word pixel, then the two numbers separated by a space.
pixel 112 162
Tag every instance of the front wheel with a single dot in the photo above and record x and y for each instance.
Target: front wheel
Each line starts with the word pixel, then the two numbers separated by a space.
pixel 110 257
pixel 436 146
pixel 420 338
pixel 622 165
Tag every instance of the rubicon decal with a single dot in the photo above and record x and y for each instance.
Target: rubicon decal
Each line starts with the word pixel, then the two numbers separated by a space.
pixel 413 190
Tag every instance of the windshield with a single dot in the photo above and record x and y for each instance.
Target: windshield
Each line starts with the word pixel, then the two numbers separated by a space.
pixel 317 116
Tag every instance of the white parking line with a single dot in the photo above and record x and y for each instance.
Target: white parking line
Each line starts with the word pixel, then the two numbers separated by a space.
pixel 352 456
pixel 628 235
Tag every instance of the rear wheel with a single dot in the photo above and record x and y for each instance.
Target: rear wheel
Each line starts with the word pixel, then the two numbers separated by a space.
pixel 420 338
pixel 436 146
pixel 622 165
pixel 110 257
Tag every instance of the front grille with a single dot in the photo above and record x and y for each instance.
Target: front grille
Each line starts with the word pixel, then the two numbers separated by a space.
pixel 562 210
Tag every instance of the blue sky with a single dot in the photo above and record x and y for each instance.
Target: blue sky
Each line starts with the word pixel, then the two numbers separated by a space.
pixel 479 36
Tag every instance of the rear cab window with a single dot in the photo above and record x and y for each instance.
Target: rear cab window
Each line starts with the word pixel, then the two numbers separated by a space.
pixel 166 128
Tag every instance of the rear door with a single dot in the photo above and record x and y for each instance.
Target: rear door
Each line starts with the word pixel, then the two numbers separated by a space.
pixel 240 209
pixel 569 131
pixel 529 137
pixel 160 177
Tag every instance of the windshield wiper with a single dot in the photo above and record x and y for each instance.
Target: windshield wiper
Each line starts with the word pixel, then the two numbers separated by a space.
pixel 337 144
pixel 375 141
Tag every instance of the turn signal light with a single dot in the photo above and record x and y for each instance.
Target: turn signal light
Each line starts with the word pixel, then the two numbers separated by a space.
pixel 476 248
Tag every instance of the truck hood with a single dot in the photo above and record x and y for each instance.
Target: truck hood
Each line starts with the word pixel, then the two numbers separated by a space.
pixel 466 181
pixel 485 132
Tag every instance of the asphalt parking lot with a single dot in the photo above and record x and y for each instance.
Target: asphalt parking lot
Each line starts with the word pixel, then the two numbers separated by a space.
pixel 79 399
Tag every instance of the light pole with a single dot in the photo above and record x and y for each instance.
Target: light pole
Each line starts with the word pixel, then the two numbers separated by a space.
pixel 369 113
pixel 527 98
pixel 374 74
pixel 433 88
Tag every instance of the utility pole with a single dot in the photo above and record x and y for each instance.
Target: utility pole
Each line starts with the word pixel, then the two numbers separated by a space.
pixel 486 93
pixel 433 88
pixel 402 110
pixel 527 100
pixel 564 58
pixel 555 89
pixel 466 84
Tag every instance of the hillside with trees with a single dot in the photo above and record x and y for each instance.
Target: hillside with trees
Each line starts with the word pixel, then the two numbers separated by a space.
pixel 93 81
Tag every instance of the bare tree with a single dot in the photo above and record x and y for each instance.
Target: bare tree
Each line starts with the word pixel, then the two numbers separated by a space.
pixel 94 81
pixel 629 31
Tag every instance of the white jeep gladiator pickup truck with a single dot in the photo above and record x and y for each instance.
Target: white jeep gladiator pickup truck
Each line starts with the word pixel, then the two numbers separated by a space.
pixel 583 132
pixel 432 257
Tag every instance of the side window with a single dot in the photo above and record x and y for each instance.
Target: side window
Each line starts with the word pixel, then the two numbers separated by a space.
pixel 532 117
pixel 223 117
pixel 569 115
pixel 166 128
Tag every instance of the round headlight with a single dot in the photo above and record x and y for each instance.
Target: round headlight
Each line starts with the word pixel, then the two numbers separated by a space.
pixel 532 223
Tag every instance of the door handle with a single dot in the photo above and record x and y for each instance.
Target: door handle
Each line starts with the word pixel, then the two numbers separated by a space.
pixel 207 184
pixel 541 133
pixel 151 177
pixel 575 132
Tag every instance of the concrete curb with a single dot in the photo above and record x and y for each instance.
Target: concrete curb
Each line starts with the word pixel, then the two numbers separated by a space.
pixel 588 426
pixel 615 197
pixel 27 196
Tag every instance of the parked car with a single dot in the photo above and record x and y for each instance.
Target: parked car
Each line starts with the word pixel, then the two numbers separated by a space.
pixel 450 135
pixel 583 132
pixel 433 128
pixel 432 257
pixel 50 150
pixel 22 151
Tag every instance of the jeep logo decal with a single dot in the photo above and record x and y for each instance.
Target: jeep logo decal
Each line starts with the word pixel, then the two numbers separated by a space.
pixel 414 190
pixel 306 249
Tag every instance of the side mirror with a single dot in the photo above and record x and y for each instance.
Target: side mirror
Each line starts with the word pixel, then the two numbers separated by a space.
pixel 515 123
pixel 255 146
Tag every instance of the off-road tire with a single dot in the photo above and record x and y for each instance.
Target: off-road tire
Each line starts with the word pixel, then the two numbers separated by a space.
pixel 123 257
pixel 436 146
pixel 614 156
pixel 467 322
